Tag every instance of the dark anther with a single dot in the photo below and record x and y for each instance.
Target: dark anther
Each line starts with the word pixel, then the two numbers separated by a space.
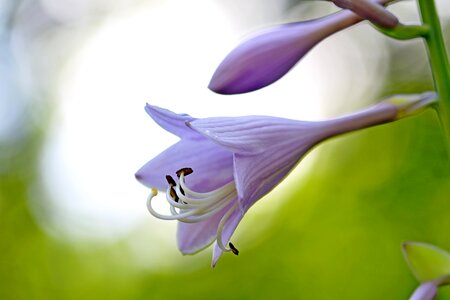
pixel 170 180
pixel 173 194
pixel 185 171
pixel 233 249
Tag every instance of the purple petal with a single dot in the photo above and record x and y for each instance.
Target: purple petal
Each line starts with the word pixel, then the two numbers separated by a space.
pixel 426 291
pixel 212 165
pixel 267 56
pixel 265 149
pixel 229 228
pixel 254 134
pixel 170 121
pixel 193 237
pixel 256 175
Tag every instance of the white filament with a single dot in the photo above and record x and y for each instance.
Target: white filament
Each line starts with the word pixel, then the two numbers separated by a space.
pixel 191 207
pixel 221 227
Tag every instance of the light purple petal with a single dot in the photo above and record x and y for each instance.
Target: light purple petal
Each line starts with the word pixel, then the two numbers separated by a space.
pixel 268 55
pixel 265 149
pixel 254 134
pixel 170 121
pixel 229 228
pixel 212 165
pixel 193 237
pixel 256 175
pixel 426 291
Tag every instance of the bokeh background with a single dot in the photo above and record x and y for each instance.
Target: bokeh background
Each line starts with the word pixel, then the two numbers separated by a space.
pixel 74 78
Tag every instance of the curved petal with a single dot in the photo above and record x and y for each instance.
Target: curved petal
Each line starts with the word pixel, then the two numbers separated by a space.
pixel 193 237
pixel 229 228
pixel 170 121
pixel 256 175
pixel 254 134
pixel 212 165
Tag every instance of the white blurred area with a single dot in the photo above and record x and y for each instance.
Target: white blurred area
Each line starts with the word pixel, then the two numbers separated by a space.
pixel 164 52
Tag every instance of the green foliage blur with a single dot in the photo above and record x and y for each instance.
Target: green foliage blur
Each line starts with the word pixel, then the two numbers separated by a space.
pixel 337 235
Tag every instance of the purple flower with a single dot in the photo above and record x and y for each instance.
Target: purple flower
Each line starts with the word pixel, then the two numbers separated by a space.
pixel 270 54
pixel 224 165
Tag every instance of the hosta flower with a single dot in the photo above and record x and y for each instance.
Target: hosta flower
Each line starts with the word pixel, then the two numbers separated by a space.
pixel 222 166
pixel 268 55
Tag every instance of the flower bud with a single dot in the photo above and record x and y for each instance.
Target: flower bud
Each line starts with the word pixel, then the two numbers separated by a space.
pixel 268 55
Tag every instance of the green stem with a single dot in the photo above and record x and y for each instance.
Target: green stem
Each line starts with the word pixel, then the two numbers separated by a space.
pixel 405 32
pixel 438 60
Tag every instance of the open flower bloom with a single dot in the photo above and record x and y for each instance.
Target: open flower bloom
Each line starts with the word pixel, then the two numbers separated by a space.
pixel 224 165
pixel 270 54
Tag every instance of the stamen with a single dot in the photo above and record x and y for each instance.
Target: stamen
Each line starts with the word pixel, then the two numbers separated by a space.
pixel 181 190
pixel 173 194
pixel 170 180
pixel 212 210
pixel 206 198
pixel 221 227
pixel 189 206
pixel 185 214
pixel 226 188
pixel 175 202
pixel 185 171
pixel 233 248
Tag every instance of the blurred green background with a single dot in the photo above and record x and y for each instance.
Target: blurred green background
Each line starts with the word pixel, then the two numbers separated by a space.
pixel 332 230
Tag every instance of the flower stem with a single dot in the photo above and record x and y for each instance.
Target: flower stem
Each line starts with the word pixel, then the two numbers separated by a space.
pixel 404 32
pixel 437 56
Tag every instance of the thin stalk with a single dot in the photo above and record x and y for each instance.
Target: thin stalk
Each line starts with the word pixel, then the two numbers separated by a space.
pixel 437 56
